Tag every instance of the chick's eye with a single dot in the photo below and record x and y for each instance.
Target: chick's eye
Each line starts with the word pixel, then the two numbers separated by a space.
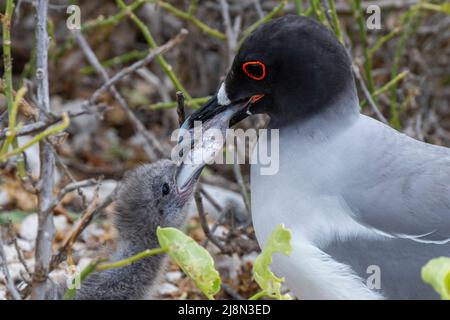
pixel 165 189
pixel 255 69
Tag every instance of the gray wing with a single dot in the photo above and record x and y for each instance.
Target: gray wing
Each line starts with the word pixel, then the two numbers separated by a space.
pixel 406 192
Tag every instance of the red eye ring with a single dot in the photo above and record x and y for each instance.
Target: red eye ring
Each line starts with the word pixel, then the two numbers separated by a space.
pixel 255 63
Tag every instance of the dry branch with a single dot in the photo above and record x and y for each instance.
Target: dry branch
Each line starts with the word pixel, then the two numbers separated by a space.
pixel 86 218
pixel 180 108
pixel 152 146
pixel 138 64
pixel 367 94
pixel 204 222
pixel 46 229
pixel 51 120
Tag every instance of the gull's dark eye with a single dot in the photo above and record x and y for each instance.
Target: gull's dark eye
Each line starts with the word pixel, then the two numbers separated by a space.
pixel 255 69
pixel 165 189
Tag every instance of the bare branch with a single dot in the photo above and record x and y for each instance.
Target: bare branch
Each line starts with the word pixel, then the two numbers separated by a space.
pixel 180 107
pixel 68 173
pixel 204 222
pixel 210 199
pixel 51 120
pixel 92 210
pixel 139 64
pixel 46 228
pixel 259 9
pixel 231 35
pixel 13 235
pixel 227 210
pixel 76 185
pixel 240 180
pixel 367 94
pixel 152 147
pixel 161 86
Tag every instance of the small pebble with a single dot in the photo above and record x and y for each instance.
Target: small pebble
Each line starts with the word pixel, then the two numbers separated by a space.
pixel 167 289
pixel 220 231
pixel 60 223
pixel 173 276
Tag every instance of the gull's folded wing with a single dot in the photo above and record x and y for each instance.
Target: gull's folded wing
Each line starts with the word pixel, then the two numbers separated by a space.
pixel 407 190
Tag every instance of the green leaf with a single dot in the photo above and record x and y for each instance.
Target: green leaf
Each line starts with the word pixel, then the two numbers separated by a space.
pixel 193 259
pixel 279 241
pixel 437 274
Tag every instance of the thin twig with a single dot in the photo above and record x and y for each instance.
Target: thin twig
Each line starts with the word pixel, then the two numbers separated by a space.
pixel 362 84
pixel 155 81
pixel 210 199
pixel 261 21
pixel 223 213
pixel 220 181
pixel 56 7
pixel 317 10
pixel 367 94
pixel 38 138
pixel 74 186
pixel 13 236
pixel 332 15
pixel 409 21
pixel 152 147
pixel 51 120
pixel 180 108
pixel 388 85
pixel 327 12
pixel 9 281
pixel 46 228
pixel 204 222
pixel 170 105
pixel 71 177
pixel 258 8
pixel 152 43
pixel 189 17
pixel 240 180
pixel 232 40
pixel 359 17
pixel 139 64
pixel 84 221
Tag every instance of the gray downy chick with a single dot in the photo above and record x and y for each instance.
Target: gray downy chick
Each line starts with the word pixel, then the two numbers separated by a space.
pixel 147 199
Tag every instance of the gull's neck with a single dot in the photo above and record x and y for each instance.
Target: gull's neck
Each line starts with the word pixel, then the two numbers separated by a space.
pixel 334 118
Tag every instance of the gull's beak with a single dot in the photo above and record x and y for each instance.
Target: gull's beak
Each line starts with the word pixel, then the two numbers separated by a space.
pixel 213 109
pixel 213 115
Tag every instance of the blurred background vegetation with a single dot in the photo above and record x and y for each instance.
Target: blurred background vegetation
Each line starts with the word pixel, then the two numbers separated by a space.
pixel 404 80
